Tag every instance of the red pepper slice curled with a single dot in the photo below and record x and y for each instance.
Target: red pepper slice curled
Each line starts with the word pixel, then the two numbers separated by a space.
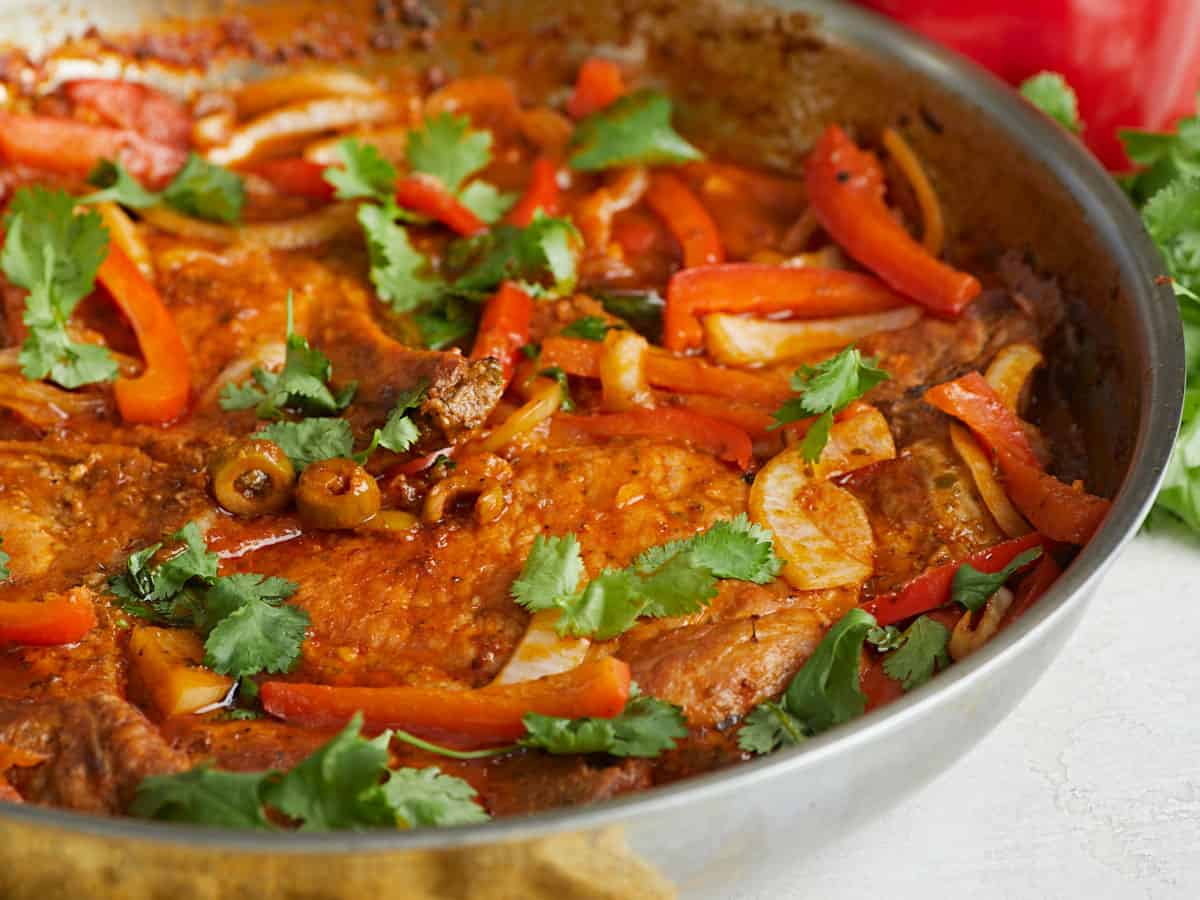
pixel 504 327
pixel 598 85
pixel 542 193
pixel 687 219
pixel 426 195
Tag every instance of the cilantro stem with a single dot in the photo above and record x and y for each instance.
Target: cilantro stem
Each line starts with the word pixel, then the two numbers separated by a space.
pixel 453 754
pixel 787 723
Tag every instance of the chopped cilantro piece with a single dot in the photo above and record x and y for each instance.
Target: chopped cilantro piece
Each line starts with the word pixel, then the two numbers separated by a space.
pixel 543 256
pixel 488 203
pixel 400 432
pixel 1050 93
pixel 401 275
pixel 889 637
pixel 302 385
pixel 643 310
pixel 207 191
pixel 823 693
pixel 447 148
pixel 339 786
pixel 646 727
pixel 258 636
pixel 673 579
pixel 973 588
pixel 118 186
pixel 364 174
pixel 635 130
pixel 54 253
pixel 310 440
pixel 557 373
pixel 5 574
pixel 590 328
pixel 921 652
pixel 445 321
pixel 824 390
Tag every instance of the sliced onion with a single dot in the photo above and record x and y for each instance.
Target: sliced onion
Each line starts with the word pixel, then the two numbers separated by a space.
pixel 594 215
pixel 267 355
pixel 284 127
pixel 623 371
pixel 745 341
pixel 296 87
pixel 43 405
pixel 1010 371
pixel 544 403
pixel 821 531
pixel 308 230
pixel 390 142
pixel 967 638
pixel 542 651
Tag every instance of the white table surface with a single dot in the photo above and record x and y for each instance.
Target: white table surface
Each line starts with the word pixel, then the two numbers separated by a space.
pixel 1090 789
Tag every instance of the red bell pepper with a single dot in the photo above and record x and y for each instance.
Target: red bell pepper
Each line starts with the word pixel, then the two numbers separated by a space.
pixel 61 619
pixel 846 187
pixel 504 327
pixel 74 148
pixel 489 715
pixel 723 439
pixel 931 588
pixel 542 193
pixel 160 394
pixel 765 290
pixel 295 175
pixel 154 115
pixel 1034 585
pixel 686 375
pixel 1133 63
pixel 598 85
pixel 426 195
pixel 687 220
pixel 1057 510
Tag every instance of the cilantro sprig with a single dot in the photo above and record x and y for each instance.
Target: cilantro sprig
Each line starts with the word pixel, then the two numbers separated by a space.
pixel 635 130
pixel 201 189
pixel 823 693
pixel 54 253
pixel 825 390
pixel 341 785
pixel 302 386
pixel 1050 93
pixel 973 589
pixel 919 651
pixel 247 626
pixel 674 579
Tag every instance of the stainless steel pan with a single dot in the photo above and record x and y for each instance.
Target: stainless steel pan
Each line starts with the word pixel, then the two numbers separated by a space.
pixel 1010 179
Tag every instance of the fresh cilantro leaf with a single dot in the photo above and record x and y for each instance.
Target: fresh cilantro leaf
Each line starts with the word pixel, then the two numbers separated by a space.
pixel 310 440
pixel 646 727
pixel 531 350
pixel 5 574
pixel 673 579
pixel 823 693
pixel 258 636
pixel 338 785
pixel 447 148
pixel 1163 158
pixel 118 186
pixel 590 328
pixel 543 256
pixel 364 174
pixel 824 390
pixel 768 727
pixel 973 588
pixel 643 310
pixel 192 561
pixel 423 798
pixel 54 254
pixel 488 203
pixel 922 651
pixel 1050 93
pixel 557 373
pixel 400 273
pixel 400 432
pixel 301 386
pixel 635 130
pixel 889 637
pixel 1172 217
pixel 445 321
pixel 206 191
pixel 203 796
pixel 241 715
pixel 552 570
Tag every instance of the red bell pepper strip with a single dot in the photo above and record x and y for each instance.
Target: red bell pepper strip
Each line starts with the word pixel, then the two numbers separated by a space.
pixel 1034 585
pixel 504 327
pixel 154 115
pixel 765 290
pixel 426 195
pixel 295 175
pixel 931 588
pixel 421 463
pixel 74 148
pixel 680 374
pixel 489 715
pixel 687 220
pixel 1057 510
pixel 598 85
pixel 160 394
pixel 756 421
pixel 61 619
pixel 845 187
pixel 542 193
pixel 723 439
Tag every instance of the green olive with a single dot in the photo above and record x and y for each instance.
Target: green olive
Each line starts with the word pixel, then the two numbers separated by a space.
pixel 336 493
pixel 251 478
